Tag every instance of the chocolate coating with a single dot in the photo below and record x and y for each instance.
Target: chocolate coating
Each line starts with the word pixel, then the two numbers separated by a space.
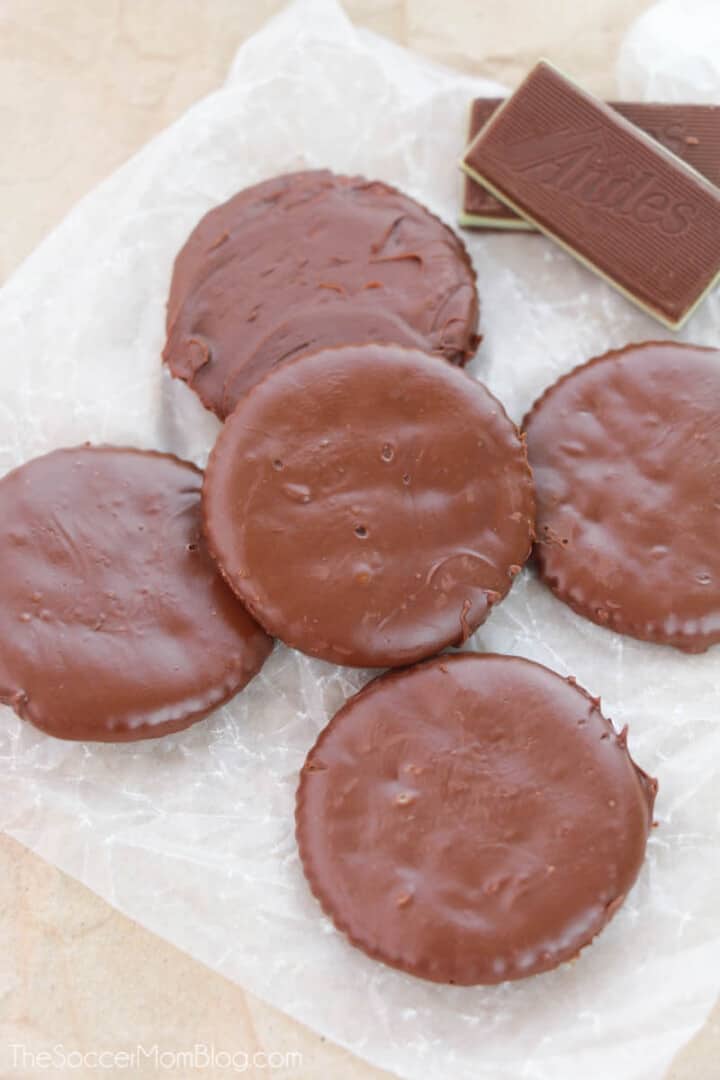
pixel 309 248
pixel 369 504
pixel 114 623
pixel 322 328
pixel 472 820
pixel 625 452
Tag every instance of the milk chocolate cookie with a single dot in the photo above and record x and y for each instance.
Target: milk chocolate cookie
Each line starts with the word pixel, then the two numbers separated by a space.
pixel 369 504
pixel 114 623
pixel 625 452
pixel 472 820
pixel 308 254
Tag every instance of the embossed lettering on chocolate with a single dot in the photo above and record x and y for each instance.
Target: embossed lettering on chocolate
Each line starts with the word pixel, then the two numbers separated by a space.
pixel 114 623
pixel 473 819
pixel 610 194
pixel 310 260
pixel 369 504
pixel 692 132
pixel 625 452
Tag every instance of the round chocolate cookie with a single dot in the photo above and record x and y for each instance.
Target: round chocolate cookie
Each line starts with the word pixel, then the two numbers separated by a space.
pixel 472 820
pixel 114 623
pixel 307 260
pixel 369 504
pixel 625 453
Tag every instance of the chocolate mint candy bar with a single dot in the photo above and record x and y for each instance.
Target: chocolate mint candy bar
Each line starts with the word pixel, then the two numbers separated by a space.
pixel 606 191
pixel 692 132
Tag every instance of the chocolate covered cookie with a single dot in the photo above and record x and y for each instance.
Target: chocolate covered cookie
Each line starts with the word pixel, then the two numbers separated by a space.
pixel 114 623
pixel 473 819
pixel 369 504
pixel 307 260
pixel 625 453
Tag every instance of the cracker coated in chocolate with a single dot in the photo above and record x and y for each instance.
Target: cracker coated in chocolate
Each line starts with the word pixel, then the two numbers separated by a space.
pixel 308 260
pixel 472 820
pixel 369 504
pixel 625 453
pixel 114 623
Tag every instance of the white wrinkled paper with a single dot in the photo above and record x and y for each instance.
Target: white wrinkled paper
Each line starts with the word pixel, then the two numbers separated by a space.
pixel 192 835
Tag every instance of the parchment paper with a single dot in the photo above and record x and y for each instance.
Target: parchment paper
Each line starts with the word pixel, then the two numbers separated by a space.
pixel 192 835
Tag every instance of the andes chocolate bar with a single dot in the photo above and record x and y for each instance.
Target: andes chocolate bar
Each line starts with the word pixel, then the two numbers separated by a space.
pixel 612 196
pixel 692 132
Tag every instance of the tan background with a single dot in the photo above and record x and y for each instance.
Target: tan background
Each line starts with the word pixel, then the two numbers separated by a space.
pixel 84 83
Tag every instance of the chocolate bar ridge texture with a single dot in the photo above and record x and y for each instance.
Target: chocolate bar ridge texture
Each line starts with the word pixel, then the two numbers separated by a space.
pixel 691 131
pixel 614 198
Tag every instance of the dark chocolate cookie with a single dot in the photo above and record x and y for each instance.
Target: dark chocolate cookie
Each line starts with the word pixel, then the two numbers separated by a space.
pixel 349 259
pixel 369 504
pixel 473 819
pixel 625 453
pixel 114 623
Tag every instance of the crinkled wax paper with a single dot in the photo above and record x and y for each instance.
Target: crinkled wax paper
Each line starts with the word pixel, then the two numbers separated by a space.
pixel 193 835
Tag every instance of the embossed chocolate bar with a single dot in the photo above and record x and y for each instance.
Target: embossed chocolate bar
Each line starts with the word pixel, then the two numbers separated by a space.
pixel 614 198
pixel 692 132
